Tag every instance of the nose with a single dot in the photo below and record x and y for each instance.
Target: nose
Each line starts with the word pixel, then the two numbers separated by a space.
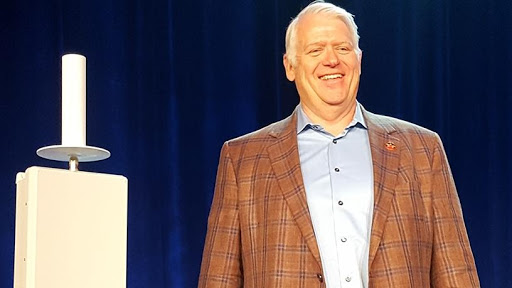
pixel 331 58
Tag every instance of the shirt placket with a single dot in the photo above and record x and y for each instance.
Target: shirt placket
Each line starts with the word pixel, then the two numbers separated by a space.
pixel 344 235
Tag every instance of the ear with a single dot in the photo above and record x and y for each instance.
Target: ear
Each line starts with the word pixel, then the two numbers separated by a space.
pixel 288 67
pixel 360 58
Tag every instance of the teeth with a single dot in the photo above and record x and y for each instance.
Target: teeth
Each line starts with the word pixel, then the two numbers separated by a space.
pixel 331 76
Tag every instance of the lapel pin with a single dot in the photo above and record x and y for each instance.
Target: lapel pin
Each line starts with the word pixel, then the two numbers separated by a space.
pixel 390 146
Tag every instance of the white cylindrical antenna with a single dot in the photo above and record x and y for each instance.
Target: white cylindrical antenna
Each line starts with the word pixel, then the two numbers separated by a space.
pixel 74 147
pixel 73 100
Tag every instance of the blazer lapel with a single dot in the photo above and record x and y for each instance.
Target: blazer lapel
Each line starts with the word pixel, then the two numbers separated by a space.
pixel 385 157
pixel 284 156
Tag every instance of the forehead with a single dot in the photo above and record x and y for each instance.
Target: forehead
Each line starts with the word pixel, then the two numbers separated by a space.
pixel 322 27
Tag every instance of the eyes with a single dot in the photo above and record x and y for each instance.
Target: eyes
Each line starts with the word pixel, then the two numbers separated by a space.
pixel 319 49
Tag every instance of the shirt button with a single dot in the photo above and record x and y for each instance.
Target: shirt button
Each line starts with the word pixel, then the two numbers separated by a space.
pixel 320 277
pixel 343 239
pixel 337 169
pixel 348 279
pixel 340 202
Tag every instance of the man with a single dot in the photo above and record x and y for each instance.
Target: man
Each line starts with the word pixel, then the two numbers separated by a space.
pixel 334 196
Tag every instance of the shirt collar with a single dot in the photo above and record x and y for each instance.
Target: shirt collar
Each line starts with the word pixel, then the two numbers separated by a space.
pixel 303 121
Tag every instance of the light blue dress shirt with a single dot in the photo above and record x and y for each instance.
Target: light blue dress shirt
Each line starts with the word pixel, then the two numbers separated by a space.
pixel 338 178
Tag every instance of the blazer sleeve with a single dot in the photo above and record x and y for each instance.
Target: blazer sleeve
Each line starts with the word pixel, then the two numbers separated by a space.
pixel 452 260
pixel 222 265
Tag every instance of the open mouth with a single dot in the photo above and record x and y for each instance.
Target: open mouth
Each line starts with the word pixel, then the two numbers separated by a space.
pixel 331 76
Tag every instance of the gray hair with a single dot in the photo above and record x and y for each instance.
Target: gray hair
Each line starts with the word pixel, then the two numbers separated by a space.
pixel 318 7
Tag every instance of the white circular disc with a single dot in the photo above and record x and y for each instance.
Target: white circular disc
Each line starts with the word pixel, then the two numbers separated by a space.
pixel 63 153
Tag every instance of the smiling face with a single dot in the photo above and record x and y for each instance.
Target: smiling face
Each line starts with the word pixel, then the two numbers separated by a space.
pixel 327 66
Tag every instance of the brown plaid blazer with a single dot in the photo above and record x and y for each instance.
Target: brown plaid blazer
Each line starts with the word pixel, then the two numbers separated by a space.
pixel 260 233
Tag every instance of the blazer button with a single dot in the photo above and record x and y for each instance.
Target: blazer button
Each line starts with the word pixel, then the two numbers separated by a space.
pixel 320 277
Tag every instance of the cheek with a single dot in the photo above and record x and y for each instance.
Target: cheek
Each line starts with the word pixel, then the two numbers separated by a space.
pixel 352 62
pixel 303 75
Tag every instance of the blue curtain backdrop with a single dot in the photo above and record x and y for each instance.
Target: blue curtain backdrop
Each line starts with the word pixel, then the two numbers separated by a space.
pixel 169 81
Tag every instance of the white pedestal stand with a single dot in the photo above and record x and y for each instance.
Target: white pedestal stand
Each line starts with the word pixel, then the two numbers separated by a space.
pixel 71 226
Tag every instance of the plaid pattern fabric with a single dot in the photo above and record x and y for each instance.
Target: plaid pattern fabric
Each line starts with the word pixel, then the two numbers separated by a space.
pixel 260 232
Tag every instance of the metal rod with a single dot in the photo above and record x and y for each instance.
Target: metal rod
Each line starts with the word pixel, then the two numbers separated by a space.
pixel 73 164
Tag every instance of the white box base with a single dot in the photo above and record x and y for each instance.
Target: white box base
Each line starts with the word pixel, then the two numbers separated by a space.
pixel 71 229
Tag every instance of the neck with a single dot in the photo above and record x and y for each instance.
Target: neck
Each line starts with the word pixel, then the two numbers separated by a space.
pixel 333 119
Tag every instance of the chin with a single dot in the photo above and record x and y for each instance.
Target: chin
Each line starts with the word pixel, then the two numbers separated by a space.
pixel 335 100
pixel 338 102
